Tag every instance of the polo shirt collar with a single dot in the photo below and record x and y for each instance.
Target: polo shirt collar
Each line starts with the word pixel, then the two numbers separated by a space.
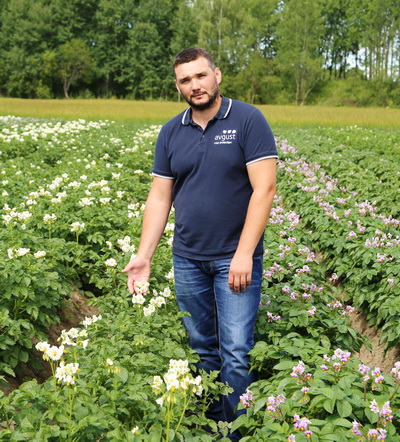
pixel 222 113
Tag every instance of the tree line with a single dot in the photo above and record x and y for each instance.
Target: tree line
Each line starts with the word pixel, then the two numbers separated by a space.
pixel 270 51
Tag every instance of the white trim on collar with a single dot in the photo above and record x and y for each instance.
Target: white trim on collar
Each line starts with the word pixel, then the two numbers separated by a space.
pixel 229 108
pixel 183 121
pixel 184 115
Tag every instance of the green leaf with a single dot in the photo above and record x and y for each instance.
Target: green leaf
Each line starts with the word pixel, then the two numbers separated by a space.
pixel 7 369
pixel 328 392
pixel 342 423
pixel 27 425
pixel 329 405
pixel 330 437
pixel 284 365
pixel 346 382
pixel 344 408
pixel 316 400
pixel 260 403
pixel 123 374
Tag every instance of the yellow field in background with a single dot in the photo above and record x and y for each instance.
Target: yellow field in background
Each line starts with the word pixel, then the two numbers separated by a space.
pixel 159 112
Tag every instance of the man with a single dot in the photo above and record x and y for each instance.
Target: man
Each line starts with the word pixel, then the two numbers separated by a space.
pixel 216 162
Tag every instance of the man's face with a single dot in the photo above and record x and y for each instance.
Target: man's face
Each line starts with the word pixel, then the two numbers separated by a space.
pixel 198 83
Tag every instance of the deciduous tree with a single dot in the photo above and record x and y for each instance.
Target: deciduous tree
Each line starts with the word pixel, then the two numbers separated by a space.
pixel 299 57
pixel 75 62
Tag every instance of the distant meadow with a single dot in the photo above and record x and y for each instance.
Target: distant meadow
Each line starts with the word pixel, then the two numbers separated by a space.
pixel 160 111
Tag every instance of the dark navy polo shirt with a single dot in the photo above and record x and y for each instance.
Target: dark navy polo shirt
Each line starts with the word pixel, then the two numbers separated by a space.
pixel 211 189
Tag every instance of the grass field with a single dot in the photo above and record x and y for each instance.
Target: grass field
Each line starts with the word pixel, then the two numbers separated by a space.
pixel 159 112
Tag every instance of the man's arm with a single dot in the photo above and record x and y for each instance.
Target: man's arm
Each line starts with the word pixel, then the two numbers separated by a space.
pixel 262 176
pixel 158 206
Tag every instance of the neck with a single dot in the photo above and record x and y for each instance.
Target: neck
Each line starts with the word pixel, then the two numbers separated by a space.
pixel 202 117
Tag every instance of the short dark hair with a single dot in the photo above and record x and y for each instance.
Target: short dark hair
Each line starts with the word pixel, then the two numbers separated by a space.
pixel 192 54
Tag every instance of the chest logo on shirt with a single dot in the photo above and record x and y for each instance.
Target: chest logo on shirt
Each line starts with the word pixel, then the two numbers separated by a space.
pixel 227 137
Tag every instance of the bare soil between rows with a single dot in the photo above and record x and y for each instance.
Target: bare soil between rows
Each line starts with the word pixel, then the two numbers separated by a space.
pixel 376 357
pixel 72 314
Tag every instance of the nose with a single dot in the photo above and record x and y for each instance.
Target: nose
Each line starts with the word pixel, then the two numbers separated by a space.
pixel 195 84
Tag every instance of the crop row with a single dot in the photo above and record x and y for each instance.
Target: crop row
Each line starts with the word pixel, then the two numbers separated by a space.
pixel 64 211
pixel 358 237
pixel 365 161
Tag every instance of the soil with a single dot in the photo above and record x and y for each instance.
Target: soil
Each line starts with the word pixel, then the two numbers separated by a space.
pixel 74 311
pixel 376 357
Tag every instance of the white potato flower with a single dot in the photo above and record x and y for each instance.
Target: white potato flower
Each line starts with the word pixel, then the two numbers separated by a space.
pixel 42 346
pixel 55 353
pixel 170 276
pixel 148 311
pixel 22 251
pixel 89 321
pixel 179 366
pixel 142 286
pixel 171 381
pixel 135 430
pixel 157 383
pixel 111 262
pixel 77 227
pixel 86 202
pixel 66 373
pixel 158 301
pixel 138 299
pixel 166 292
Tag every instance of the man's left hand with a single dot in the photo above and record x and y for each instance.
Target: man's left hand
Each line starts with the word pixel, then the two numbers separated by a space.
pixel 240 273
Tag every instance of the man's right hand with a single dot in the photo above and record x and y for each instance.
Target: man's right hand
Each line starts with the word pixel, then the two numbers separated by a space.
pixel 138 271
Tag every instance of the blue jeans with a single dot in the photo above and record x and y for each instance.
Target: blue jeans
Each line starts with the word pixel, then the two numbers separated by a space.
pixel 221 325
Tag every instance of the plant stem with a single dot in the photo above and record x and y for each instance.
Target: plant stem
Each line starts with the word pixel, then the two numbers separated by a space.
pixel 183 412
pixel 70 404
pixel 168 421
pixel 70 409
pixel 395 391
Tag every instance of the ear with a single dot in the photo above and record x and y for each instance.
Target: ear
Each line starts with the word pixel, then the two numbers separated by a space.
pixel 218 75
pixel 177 87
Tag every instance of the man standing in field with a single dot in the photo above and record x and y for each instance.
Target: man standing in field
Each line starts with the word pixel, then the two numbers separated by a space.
pixel 216 162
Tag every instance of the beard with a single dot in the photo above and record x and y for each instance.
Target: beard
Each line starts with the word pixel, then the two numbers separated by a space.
pixel 209 103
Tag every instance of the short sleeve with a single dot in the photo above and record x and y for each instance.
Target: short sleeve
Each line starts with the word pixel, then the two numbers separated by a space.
pixel 161 166
pixel 258 139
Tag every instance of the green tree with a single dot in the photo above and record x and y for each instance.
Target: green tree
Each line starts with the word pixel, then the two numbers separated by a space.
pixel 114 22
pixel 337 42
pixel 147 61
pixel 184 27
pixel 381 39
pixel 258 68
pixel 72 19
pixel 25 34
pixel 242 38
pixel 221 31
pixel 185 34
pixel 74 62
pixel 298 56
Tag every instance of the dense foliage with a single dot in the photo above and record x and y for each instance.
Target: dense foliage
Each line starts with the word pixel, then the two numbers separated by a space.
pixel 72 200
pixel 334 52
pixel 345 185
